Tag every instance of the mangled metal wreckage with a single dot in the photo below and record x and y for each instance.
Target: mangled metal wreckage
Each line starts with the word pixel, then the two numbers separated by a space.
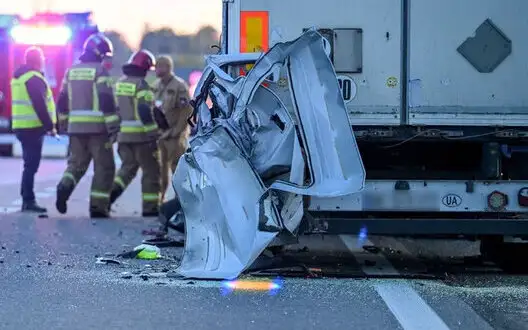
pixel 272 136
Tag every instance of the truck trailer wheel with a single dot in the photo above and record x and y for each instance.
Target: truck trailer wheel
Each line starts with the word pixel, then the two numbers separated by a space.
pixel 511 257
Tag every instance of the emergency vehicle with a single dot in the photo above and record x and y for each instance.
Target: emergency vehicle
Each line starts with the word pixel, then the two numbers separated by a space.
pixel 436 95
pixel 61 37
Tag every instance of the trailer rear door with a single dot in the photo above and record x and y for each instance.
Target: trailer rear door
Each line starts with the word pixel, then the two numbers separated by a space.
pixel 468 62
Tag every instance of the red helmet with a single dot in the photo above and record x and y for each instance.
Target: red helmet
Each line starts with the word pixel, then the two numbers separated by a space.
pixel 99 45
pixel 143 59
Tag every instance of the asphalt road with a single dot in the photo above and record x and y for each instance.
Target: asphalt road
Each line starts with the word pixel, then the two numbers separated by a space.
pixel 49 278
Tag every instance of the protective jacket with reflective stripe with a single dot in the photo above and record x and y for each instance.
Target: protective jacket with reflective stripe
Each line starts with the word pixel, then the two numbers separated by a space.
pixel 90 102
pixel 135 101
pixel 24 115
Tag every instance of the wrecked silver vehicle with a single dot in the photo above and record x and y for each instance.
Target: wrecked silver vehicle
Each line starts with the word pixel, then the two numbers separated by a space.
pixel 271 137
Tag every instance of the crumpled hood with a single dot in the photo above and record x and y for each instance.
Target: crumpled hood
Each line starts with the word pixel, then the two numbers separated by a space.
pixel 273 136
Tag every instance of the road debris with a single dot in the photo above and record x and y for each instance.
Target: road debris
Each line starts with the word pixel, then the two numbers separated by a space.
pixel 164 241
pixel 126 275
pixel 371 249
pixel 143 251
pixel 106 261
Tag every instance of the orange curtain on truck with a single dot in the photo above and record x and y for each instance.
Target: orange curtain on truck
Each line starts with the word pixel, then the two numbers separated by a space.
pixel 254 34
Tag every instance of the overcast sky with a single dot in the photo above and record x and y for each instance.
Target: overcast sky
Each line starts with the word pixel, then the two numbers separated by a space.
pixel 129 16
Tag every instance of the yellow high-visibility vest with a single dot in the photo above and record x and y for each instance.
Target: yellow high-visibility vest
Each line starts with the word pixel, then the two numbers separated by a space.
pixel 23 113
pixel 127 97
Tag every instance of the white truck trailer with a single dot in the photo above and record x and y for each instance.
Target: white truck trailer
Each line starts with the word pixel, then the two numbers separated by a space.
pixel 435 93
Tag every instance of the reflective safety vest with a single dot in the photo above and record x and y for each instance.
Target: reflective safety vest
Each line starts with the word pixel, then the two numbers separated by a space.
pixel 84 82
pixel 130 92
pixel 23 113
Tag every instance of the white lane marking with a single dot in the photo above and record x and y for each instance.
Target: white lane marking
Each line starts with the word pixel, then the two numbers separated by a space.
pixel 51 189
pixel 381 265
pixel 42 194
pixel 9 209
pixel 14 179
pixel 408 307
pixel 411 311
pixel 397 245
pixel 47 194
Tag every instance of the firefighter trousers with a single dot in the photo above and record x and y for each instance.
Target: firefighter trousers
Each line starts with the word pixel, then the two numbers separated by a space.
pixel 83 149
pixel 171 150
pixel 135 156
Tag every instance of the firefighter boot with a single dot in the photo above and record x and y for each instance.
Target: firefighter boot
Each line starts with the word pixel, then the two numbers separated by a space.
pixel 117 191
pixel 63 194
pixel 99 214
pixel 148 214
pixel 33 207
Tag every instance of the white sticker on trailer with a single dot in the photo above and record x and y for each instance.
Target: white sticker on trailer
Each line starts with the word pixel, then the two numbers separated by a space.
pixel 348 88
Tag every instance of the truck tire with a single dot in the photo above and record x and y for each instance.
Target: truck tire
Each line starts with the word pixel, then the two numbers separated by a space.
pixel 510 257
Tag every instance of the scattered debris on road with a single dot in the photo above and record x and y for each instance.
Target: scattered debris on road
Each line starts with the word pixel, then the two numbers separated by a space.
pixel 143 251
pixel 126 275
pixel 371 249
pixel 106 261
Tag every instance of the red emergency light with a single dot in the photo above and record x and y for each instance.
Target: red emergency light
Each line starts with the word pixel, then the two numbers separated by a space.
pixel 61 38
pixel 48 35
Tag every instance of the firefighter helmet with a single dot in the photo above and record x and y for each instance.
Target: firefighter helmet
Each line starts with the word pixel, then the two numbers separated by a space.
pixel 143 59
pixel 99 45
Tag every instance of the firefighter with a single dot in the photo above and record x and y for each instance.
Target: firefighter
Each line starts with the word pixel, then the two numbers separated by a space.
pixel 172 93
pixel 86 106
pixel 33 116
pixel 137 139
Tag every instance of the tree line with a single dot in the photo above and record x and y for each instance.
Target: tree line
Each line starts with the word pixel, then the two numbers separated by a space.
pixel 187 50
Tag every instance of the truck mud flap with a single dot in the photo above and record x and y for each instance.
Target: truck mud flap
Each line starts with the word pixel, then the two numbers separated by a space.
pixel 243 179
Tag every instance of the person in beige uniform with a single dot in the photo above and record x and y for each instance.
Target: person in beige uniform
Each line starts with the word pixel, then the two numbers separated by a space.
pixel 137 139
pixel 172 96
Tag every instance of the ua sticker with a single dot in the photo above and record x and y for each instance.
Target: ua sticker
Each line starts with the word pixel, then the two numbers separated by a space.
pixel 452 200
